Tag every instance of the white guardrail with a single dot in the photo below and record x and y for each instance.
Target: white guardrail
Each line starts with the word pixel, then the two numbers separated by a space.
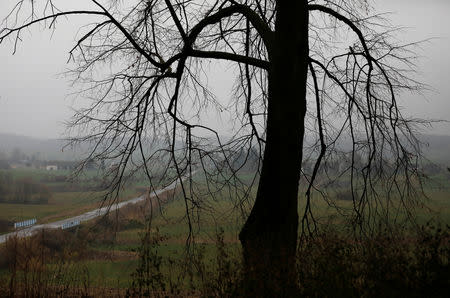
pixel 70 224
pixel 25 223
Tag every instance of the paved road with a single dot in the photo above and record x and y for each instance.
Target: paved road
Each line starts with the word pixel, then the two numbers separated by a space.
pixel 26 232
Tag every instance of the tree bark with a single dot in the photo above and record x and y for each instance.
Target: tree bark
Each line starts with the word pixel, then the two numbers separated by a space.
pixel 269 236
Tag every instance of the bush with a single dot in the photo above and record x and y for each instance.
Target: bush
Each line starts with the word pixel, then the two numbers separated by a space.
pixel 44 265
pixel 23 190
pixel 344 195
pixel 5 226
pixel 131 224
pixel 401 265
pixel 148 279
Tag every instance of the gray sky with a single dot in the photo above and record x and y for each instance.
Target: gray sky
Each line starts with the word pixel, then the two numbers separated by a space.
pixel 33 97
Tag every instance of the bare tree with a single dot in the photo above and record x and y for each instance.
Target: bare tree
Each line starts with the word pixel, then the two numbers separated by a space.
pixel 327 68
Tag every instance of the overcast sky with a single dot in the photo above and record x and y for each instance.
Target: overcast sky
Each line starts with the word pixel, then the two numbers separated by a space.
pixel 34 102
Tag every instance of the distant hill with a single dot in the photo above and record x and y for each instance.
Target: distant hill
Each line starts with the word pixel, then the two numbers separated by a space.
pixel 436 147
pixel 44 149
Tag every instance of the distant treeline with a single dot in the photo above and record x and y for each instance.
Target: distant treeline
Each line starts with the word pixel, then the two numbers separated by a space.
pixel 22 190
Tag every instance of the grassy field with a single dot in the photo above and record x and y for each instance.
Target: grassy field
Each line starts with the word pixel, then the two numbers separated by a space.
pixel 220 213
pixel 111 248
pixel 67 198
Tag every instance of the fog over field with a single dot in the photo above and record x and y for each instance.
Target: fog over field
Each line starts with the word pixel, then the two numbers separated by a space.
pixel 35 101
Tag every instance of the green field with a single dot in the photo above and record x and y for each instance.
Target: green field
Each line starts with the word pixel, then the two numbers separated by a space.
pixel 110 249
pixel 68 198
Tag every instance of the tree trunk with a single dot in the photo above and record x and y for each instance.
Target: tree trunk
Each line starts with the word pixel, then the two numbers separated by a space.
pixel 269 237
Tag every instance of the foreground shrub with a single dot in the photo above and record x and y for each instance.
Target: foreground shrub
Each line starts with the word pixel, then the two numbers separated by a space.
pixel 400 265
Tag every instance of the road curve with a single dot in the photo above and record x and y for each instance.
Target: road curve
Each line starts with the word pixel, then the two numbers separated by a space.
pixel 26 232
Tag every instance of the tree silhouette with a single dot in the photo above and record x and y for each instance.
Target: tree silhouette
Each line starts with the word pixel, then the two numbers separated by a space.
pixel 327 68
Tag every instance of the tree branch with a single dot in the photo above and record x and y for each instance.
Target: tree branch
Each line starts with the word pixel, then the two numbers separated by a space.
pixel 10 31
pixel 176 20
pixel 261 27
pixel 231 57
pixel 348 22
pixel 129 37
